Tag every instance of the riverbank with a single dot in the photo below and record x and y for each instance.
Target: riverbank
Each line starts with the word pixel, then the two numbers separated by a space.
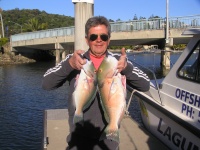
pixel 9 58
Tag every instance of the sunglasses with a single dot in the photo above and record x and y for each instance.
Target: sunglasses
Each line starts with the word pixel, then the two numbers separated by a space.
pixel 104 37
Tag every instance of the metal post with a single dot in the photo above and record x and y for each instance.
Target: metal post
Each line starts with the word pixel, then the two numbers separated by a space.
pixel 167 21
pixel 2 22
pixel 165 55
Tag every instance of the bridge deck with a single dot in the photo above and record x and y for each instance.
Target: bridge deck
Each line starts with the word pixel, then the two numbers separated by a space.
pixel 132 135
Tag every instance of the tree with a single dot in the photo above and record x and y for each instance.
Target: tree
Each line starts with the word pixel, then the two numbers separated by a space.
pixel 135 17
pixel 34 25
pixel 142 18
pixel 110 20
pixel 153 17
pixel 118 20
pixel 22 17
pixel 3 41
pixel 44 26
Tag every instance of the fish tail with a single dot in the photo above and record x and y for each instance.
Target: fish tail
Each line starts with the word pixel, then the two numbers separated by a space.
pixel 112 135
pixel 78 119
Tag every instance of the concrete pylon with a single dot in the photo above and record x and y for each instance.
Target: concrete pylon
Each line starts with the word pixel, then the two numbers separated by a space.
pixel 165 55
pixel 83 11
pixel 64 54
pixel 57 56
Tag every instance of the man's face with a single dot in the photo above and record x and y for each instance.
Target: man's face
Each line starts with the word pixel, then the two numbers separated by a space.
pixel 98 45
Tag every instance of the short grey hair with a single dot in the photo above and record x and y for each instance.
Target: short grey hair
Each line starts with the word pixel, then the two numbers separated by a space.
pixel 95 21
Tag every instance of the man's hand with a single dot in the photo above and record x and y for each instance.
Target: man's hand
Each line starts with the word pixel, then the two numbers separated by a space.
pixel 122 63
pixel 76 61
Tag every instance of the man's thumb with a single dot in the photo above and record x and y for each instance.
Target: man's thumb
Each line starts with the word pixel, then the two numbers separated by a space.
pixel 123 51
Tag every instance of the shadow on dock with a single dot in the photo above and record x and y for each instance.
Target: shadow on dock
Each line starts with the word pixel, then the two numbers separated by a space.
pixel 132 135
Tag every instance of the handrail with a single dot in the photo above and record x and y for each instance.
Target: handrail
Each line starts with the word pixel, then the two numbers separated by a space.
pixel 154 76
pixel 129 101
pixel 155 79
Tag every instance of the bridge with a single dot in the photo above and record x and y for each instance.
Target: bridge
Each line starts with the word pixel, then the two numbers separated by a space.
pixel 133 32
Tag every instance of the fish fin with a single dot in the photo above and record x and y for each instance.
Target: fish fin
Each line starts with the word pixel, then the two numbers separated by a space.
pixel 76 81
pixel 103 107
pixel 91 100
pixel 122 114
pixel 105 113
pixel 78 119
pixel 103 136
pixel 112 135
pixel 123 79
pixel 113 89
pixel 115 72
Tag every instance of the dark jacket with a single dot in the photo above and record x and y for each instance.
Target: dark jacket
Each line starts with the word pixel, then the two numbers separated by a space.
pixel 94 121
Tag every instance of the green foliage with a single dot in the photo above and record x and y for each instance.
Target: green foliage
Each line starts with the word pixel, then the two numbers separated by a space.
pixel 34 25
pixel 32 20
pixel 3 41
pixel 135 17
pixel 141 18
pixel 179 46
pixel 120 47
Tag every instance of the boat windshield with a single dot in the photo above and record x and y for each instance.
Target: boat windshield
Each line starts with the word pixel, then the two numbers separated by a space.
pixel 190 69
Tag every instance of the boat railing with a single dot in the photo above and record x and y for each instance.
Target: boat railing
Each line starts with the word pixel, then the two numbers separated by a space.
pixel 154 78
pixel 157 87
pixel 130 89
pixel 130 98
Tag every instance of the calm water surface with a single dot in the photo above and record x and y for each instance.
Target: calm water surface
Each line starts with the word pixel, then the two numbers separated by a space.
pixel 23 101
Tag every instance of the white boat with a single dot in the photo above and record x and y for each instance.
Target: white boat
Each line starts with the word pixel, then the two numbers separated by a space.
pixel 170 110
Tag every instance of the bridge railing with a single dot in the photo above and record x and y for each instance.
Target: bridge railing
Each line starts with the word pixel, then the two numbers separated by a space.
pixel 65 31
pixel 128 26
pixel 137 25
pixel 156 23
pixel 182 22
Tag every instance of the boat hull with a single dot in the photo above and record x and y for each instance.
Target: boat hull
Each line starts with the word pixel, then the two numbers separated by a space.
pixel 171 130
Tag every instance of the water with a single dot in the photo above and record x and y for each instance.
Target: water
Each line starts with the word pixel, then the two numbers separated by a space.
pixel 23 101
pixel 152 62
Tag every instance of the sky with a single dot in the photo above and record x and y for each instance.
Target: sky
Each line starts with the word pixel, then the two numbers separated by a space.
pixel 112 9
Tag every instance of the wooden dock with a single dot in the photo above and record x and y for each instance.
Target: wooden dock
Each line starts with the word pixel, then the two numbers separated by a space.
pixel 132 135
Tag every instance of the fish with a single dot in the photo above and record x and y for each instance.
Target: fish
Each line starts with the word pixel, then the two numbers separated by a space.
pixel 112 89
pixel 85 90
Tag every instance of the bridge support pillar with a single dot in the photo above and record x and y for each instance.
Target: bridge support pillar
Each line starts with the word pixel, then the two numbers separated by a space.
pixel 59 48
pixel 13 51
pixel 64 53
pixel 165 55
pixel 57 56
pixel 83 11
pixel 165 59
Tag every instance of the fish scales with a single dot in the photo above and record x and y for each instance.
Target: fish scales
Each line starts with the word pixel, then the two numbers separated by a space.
pixel 85 90
pixel 112 88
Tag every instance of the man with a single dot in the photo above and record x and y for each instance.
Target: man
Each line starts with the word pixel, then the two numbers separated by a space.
pixel 97 36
